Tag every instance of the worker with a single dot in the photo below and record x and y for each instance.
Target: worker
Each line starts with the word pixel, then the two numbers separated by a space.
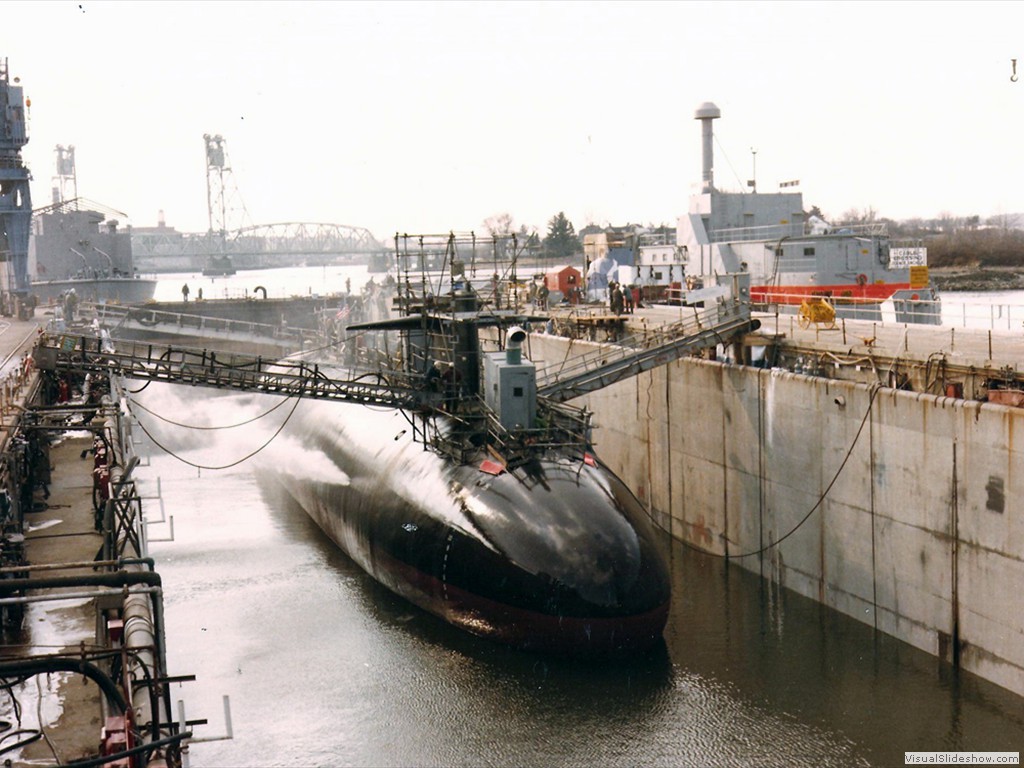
pixel 616 299
pixel 434 376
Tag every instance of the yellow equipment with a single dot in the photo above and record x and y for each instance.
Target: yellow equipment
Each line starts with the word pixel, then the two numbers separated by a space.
pixel 818 311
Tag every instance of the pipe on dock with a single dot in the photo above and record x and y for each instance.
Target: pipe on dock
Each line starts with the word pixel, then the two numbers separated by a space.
pixel 120 579
pixel 148 561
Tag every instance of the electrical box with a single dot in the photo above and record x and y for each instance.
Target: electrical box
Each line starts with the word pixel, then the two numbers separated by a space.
pixel 510 390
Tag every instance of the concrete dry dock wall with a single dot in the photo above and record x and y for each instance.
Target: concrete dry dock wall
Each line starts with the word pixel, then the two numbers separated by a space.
pixel 900 509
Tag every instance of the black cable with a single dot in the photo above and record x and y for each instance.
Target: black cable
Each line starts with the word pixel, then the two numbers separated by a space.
pixel 30 668
pixel 132 402
pixel 7 684
pixel 183 460
pixel 104 759
pixel 36 736
pixel 875 389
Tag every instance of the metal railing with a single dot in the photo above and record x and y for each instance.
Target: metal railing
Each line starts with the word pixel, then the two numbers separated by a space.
pixel 779 231
pixel 162 320
pixel 994 315
pixel 154 362
pixel 951 312
pixel 627 357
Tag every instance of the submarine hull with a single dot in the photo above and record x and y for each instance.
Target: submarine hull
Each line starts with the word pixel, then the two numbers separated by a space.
pixel 558 558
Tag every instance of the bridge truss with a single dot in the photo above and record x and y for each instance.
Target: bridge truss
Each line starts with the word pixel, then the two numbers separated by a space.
pixel 286 239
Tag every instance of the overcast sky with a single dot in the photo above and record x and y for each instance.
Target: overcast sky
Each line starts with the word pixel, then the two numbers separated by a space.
pixel 428 117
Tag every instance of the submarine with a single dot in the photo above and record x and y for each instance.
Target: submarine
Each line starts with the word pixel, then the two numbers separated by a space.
pixel 554 557
pixel 485 506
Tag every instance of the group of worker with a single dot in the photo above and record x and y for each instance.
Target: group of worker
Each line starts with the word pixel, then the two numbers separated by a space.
pixel 621 299
pixel 185 292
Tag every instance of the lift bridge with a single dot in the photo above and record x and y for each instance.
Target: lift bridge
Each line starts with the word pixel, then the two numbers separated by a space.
pixel 605 365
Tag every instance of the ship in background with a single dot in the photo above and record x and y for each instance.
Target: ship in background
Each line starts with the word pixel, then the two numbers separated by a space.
pixel 70 244
pixel 791 257
pixel 15 197
pixel 79 245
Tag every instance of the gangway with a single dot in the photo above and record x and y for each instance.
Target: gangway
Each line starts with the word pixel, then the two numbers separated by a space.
pixel 636 354
pixel 182 365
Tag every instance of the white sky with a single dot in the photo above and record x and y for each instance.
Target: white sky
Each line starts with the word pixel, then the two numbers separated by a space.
pixel 427 117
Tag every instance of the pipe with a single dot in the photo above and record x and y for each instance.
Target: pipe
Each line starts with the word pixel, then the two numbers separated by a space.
pixel 514 345
pixel 104 759
pixel 158 608
pixel 119 579
pixel 81 564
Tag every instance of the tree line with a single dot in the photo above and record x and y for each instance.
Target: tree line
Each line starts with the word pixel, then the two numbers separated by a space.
pixel 955 241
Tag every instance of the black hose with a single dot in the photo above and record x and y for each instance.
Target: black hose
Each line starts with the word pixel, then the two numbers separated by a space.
pixel 35 735
pixel 129 752
pixel 41 666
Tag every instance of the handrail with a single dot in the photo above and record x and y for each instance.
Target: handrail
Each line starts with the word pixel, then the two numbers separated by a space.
pixel 154 362
pixel 627 347
pixel 798 229
pixel 980 315
pixel 614 362
pixel 154 317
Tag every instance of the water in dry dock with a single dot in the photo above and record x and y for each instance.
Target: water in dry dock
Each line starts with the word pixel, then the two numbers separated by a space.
pixel 324 667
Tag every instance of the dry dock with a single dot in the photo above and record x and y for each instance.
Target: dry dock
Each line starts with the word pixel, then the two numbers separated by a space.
pixel 865 467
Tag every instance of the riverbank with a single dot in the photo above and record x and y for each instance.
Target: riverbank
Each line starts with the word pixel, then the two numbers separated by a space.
pixel 977 279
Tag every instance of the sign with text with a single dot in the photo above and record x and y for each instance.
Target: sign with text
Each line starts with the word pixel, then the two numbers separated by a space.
pixel 919 277
pixel 902 258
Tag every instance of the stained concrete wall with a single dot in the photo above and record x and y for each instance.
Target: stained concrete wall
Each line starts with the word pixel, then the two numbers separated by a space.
pixel 900 509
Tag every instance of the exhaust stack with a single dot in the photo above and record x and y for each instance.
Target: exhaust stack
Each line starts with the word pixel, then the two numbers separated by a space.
pixel 707 112
pixel 514 345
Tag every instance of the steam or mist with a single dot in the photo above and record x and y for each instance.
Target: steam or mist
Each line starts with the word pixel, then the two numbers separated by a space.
pixel 212 429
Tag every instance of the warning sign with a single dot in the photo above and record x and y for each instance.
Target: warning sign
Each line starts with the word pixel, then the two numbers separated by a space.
pixel 919 277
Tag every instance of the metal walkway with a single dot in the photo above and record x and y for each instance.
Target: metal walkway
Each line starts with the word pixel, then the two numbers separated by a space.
pixel 634 355
pixel 149 362
pixel 586 373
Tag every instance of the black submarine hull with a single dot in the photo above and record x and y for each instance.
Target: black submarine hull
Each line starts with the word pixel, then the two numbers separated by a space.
pixel 560 558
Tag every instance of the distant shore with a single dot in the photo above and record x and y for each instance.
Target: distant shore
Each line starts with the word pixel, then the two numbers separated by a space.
pixel 977 279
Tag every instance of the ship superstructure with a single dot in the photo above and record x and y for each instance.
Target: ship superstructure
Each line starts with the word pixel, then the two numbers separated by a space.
pixel 15 197
pixel 79 245
pixel 792 256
